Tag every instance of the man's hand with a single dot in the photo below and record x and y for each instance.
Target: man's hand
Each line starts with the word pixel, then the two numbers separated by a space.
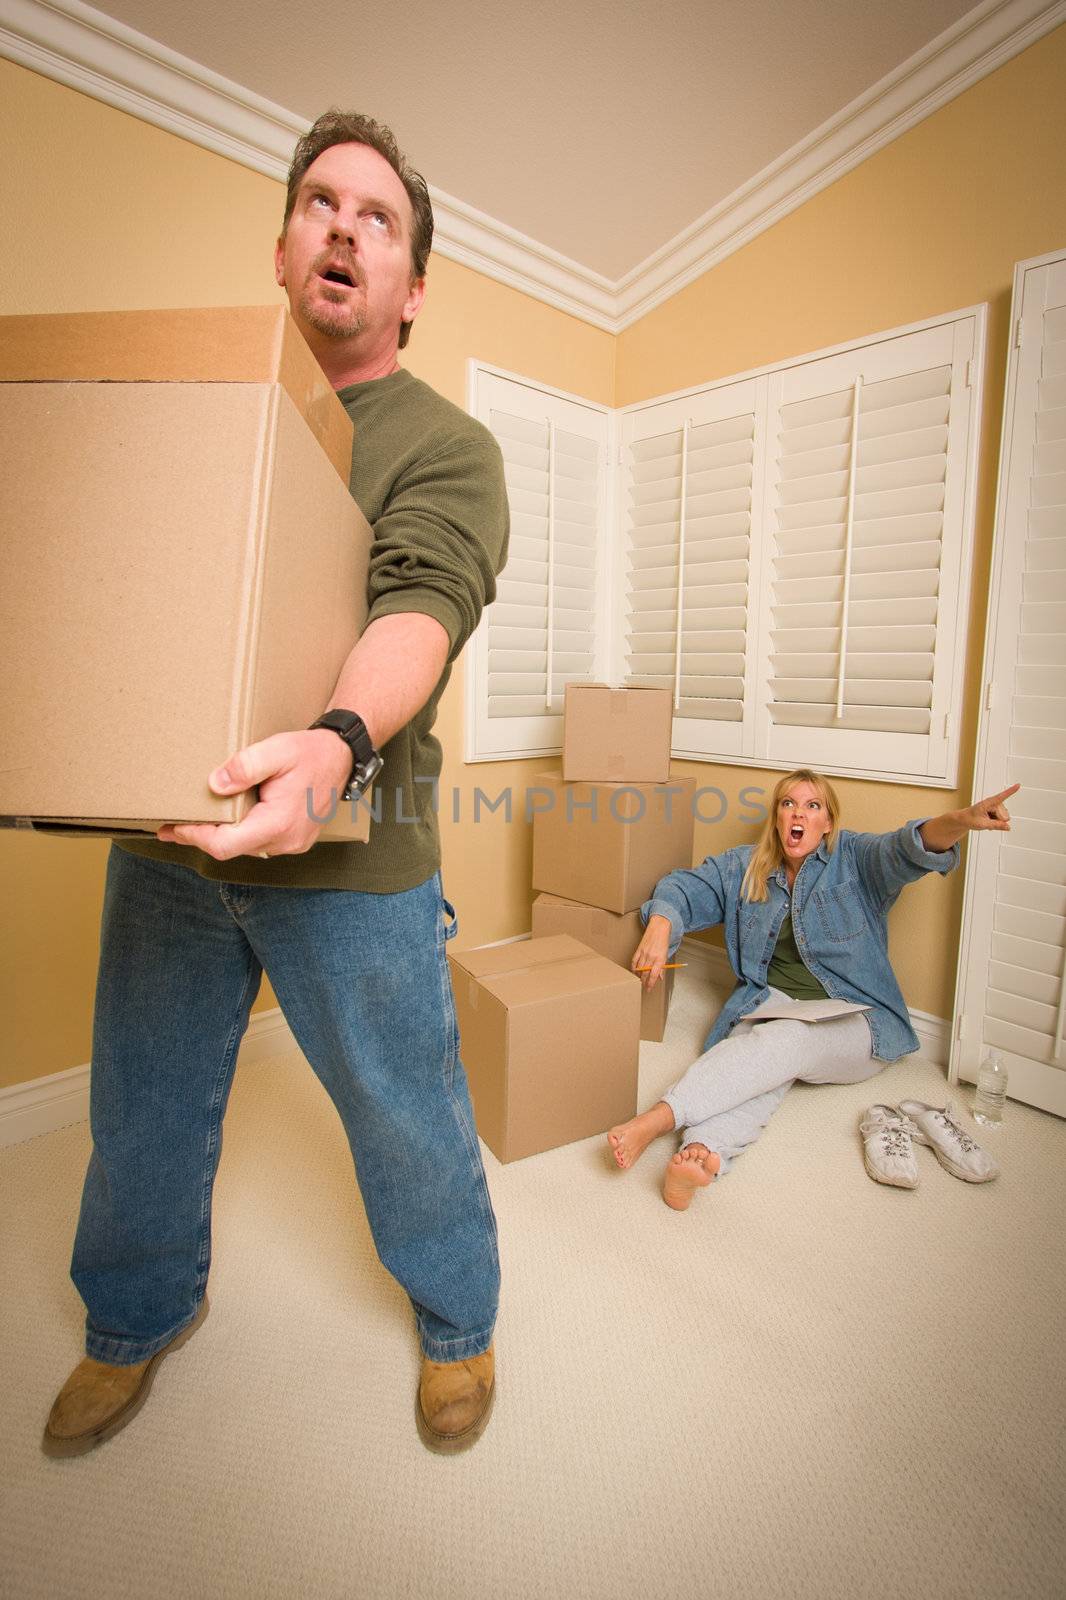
pixel 285 767
pixel 940 833
pixel 652 951
pixel 389 675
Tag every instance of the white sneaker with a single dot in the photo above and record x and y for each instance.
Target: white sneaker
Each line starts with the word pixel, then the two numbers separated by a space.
pixel 887 1149
pixel 951 1144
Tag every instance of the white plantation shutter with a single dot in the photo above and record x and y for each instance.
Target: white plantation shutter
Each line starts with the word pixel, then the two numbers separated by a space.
pixel 792 558
pixel 1012 963
pixel 542 623
pixel 690 494
pixel 869 454
pixel 541 631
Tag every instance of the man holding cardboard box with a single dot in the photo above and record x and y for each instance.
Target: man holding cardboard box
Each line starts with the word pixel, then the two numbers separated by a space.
pixel 352 936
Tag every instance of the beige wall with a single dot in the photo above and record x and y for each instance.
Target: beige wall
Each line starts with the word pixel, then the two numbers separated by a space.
pixel 933 223
pixel 105 211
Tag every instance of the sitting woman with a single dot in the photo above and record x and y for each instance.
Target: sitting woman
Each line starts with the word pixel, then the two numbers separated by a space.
pixel 804 912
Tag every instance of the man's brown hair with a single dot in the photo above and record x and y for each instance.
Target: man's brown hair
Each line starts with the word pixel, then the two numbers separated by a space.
pixel 350 127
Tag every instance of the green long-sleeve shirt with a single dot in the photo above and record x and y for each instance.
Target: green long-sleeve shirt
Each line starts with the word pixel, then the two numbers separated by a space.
pixel 429 480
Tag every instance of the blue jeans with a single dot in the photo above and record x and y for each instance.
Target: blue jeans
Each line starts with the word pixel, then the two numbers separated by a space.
pixel 363 982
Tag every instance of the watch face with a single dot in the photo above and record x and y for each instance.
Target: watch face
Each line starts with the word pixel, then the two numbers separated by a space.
pixel 363 775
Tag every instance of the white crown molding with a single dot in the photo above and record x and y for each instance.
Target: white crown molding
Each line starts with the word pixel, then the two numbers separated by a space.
pixel 79 46
pixel 976 45
pixel 88 51
pixel 477 240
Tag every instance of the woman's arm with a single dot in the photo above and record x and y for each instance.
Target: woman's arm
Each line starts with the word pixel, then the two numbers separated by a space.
pixel 652 951
pixel 682 902
pixel 940 833
pixel 887 862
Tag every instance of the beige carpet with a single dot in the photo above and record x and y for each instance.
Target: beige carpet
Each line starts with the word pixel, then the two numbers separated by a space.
pixel 807 1386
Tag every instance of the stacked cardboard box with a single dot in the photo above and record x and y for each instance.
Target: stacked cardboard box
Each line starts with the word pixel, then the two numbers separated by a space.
pixel 602 845
pixel 616 735
pixel 551 1027
pixel 612 934
pixel 550 1041
pixel 182 568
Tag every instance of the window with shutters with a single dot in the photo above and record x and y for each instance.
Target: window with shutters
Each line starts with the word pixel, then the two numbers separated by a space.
pixel 790 557
pixel 869 525
pixel 797 550
pixel 545 628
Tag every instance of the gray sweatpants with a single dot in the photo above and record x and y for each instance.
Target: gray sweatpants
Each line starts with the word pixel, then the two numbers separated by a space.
pixel 729 1094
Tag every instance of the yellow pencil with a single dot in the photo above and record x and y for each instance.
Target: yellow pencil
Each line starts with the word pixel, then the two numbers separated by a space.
pixel 668 966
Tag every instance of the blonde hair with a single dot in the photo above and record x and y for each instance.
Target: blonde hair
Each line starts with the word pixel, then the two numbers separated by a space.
pixel 768 855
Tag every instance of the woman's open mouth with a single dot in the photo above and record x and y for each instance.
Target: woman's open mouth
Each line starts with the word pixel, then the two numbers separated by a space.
pixel 795 834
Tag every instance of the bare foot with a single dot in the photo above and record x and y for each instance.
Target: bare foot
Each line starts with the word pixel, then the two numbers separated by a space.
pixel 691 1169
pixel 629 1140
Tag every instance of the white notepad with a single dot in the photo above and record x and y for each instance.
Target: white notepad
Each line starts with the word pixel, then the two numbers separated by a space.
pixel 804 1010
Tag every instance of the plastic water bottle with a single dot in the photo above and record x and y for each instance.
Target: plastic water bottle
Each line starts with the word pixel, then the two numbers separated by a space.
pixel 991 1090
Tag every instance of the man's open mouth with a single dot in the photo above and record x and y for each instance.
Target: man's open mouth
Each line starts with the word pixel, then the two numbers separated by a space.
pixel 338 275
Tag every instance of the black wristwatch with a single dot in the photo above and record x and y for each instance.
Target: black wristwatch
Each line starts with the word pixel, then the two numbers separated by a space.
pixel 366 762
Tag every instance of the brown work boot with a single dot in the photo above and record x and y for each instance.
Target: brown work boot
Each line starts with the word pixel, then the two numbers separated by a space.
pixel 98 1400
pixel 455 1401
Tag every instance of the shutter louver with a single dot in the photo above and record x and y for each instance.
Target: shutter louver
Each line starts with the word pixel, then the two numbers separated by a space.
pixel 1011 993
pixel 688 559
pixel 884 627
pixel 543 619
pixel 542 630
pixel 868 471
pixel 1026 995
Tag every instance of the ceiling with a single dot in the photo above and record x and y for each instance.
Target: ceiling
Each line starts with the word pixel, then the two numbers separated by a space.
pixel 598 131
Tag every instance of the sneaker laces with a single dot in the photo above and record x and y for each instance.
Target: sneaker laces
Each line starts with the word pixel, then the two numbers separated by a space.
pixel 895 1133
pixel 966 1144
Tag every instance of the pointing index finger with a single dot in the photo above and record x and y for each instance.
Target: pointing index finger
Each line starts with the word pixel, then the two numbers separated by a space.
pixel 997 799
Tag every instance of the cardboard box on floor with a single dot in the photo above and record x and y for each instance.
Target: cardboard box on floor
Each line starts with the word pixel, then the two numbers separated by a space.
pixel 616 735
pixel 612 934
pixel 608 844
pixel 182 568
pixel 550 1039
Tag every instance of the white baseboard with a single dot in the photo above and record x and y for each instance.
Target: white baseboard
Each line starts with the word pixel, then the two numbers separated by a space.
pixel 268 1035
pixel 44 1104
pixel 492 944
pixel 934 1033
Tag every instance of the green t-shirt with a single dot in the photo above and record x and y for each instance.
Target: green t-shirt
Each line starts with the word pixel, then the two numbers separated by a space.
pixel 429 480
pixel 787 971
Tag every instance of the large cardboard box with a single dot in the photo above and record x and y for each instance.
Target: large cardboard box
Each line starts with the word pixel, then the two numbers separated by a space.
pixel 612 934
pixel 608 844
pixel 212 344
pixel 182 568
pixel 616 735
pixel 549 1034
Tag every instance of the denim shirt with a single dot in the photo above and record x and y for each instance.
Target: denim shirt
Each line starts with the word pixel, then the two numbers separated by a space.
pixel 839 904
